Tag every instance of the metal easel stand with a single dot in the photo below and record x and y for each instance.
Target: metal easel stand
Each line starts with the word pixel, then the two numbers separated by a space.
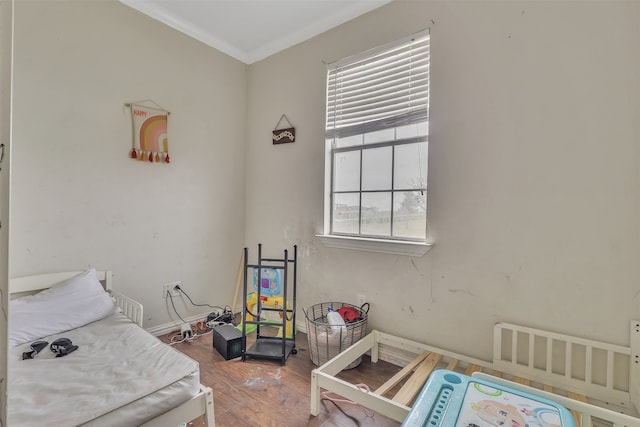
pixel 262 300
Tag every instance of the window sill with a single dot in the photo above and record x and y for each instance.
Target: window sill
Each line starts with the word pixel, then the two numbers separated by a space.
pixel 416 249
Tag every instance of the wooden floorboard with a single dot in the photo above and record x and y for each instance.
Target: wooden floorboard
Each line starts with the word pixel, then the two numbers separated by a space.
pixel 262 392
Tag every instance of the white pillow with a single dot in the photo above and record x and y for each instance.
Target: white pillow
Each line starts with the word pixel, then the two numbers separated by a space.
pixel 67 305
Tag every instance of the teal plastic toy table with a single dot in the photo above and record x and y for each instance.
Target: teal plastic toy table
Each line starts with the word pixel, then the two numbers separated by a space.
pixel 449 399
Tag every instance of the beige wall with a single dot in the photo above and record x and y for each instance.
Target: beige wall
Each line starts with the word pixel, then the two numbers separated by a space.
pixel 533 171
pixel 79 201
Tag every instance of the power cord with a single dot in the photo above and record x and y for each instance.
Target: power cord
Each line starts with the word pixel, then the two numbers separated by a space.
pixel 179 288
pixel 174 307
pixel 217 318
pixel 176 337
pixel 225 315
pixel 202 327
pixel 331 397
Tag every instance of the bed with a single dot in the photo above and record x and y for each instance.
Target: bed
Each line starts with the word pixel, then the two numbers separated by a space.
pixel 598 382
pixel 119 374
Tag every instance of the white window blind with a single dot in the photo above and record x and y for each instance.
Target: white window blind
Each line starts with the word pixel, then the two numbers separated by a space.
pixel 380 89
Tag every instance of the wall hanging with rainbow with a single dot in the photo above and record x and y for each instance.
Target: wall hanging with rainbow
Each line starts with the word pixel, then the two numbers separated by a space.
pixel 150 140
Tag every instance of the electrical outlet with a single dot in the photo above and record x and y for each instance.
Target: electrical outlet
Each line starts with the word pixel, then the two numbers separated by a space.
pixel 169 289
pixel 362 299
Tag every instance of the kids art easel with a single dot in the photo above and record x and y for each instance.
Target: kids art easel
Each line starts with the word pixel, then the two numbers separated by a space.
pixel 272 289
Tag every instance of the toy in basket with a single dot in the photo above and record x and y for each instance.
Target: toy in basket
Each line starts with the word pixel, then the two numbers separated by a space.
pixel 449 399
pixel 332 327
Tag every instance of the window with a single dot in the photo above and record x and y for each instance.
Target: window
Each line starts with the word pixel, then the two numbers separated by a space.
pixel 377 138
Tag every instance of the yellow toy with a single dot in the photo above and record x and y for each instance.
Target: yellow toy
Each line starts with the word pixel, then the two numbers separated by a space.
pixel 275 302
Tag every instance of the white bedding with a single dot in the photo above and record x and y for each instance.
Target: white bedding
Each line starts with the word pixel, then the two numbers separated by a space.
pixel 120 375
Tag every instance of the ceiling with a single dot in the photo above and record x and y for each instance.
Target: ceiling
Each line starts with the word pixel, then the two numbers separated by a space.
pixel 251 30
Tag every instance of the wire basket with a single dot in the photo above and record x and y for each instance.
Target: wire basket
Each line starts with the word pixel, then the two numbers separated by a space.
pixel 327 341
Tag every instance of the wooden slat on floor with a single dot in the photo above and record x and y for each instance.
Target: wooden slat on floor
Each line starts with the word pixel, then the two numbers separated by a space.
pixel 453 364
pixel 397 378
pixel 414 384
pixel 473 368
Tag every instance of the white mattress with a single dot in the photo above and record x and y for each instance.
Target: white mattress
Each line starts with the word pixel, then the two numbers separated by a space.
pixel 120 375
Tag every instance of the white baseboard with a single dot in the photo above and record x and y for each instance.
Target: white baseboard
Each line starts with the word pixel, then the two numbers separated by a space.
pixel 172 326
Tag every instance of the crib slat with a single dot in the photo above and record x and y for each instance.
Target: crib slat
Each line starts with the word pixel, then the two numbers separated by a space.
pixel 514 347
pixel 610 358
pixel 588 365
pixel 393 381
pixel 567 359
pixel 531 352
pixel 549 362
pixel 414 384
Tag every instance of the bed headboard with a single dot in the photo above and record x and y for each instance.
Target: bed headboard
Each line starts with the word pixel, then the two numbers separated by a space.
pixel 45 281
pixel 31 284
pixel 597 369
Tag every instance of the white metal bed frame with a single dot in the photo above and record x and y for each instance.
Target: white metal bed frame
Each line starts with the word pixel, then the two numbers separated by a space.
pixel 598 382
pixel 200 404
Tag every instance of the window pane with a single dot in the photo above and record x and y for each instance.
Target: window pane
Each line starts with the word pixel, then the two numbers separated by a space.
pixel 412 131
pixel 346 171
pixel 423 128
pixel 376 214
pixel 410 170
pixel 410 214
pixel 348 141
pixel 346 212
pixel 376 169
pixel 379 136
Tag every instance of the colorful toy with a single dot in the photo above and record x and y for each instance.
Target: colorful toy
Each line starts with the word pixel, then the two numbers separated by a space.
pixel 270 281
pixel 271 302
pixel 270 289
pixel 449 399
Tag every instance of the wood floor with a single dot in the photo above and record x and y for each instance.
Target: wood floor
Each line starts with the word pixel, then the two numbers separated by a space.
pixel 262 392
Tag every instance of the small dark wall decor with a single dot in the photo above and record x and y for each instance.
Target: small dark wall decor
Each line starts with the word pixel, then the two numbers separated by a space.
pixel 283 135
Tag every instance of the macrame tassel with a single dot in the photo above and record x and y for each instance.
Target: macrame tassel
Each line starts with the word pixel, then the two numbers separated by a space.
pixel 150 156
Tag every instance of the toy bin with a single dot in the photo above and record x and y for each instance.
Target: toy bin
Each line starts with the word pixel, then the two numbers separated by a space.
pixel 327 340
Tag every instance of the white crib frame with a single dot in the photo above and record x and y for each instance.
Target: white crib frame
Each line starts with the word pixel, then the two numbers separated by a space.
pixel 529 352
pixel 200 404
pixel 517 357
